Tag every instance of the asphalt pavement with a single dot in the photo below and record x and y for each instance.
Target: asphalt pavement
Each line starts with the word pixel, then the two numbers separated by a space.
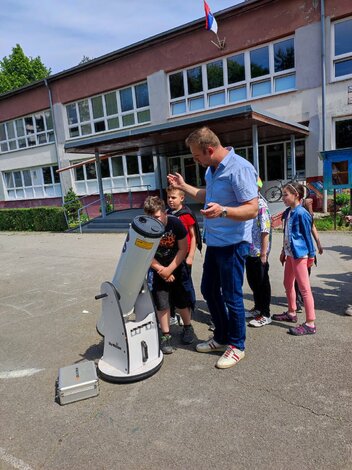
pixel 287 405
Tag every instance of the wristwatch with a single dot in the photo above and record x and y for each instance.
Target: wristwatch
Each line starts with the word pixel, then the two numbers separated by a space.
pixel 224 212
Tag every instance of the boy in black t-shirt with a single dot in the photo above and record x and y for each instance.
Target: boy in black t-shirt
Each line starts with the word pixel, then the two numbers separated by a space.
pixel 169 272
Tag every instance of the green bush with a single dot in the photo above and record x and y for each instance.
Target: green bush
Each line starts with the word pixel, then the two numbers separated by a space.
pixel 72 204
pixel 36 219
pixel 342 199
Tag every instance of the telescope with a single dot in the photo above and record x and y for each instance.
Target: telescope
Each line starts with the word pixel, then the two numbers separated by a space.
pixel 128 322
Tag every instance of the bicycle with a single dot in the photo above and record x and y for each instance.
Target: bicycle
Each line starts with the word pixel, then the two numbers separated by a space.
pixel 274 193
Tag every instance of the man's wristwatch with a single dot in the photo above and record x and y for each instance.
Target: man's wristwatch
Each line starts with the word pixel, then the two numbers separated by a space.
pixel 223 212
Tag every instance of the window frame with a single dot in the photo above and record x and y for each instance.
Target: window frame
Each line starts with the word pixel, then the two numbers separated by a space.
pixel 120 115
pixel 38 188
pixel 34 136
pixel 337 58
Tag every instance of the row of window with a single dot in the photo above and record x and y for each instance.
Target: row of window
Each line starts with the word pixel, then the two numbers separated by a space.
pixel 250 74
pixel 26 132
pixel 32 183
pixel 121 108
pixel 121 173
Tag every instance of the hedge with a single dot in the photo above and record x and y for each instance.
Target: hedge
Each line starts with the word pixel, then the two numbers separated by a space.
pixel 37 219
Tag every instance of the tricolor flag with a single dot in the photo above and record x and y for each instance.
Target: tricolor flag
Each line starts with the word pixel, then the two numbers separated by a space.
pixel 210 21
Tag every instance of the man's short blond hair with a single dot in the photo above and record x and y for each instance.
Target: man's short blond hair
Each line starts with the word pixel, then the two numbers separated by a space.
pixel 204 138
pixel 153 204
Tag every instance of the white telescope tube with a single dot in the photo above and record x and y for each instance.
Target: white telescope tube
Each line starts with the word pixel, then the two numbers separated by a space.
pixel 137 254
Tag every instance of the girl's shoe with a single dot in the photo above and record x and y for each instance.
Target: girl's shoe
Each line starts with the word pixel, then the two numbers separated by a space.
pixel 303 329
pixel 284 317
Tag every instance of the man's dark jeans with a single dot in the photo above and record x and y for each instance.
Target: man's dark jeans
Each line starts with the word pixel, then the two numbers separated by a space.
pixel 221 287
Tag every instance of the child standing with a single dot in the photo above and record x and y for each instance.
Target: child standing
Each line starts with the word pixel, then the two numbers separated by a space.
pixel 257 265
pixel 175 200
pixel 297 255
pixel 169 273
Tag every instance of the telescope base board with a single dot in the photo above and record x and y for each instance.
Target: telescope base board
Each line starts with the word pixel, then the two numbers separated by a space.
pixel 111 374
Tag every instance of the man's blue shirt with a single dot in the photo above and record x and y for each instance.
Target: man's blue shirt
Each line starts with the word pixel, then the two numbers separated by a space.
pixel 231 184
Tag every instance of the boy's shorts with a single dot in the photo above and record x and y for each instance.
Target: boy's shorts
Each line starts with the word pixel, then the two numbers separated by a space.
pixel 173 293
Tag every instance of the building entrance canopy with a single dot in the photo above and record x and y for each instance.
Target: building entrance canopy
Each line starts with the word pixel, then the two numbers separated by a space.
pixel 237 127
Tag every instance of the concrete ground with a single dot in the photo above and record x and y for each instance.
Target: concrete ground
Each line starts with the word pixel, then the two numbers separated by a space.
pixel 287 405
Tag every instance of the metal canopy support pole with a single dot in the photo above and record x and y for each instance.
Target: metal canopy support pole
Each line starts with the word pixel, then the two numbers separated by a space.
pixel 255 147
pixel 100 184
pixel 293 157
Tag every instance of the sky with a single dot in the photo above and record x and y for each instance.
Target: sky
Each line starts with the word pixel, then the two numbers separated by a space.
pixel 62 32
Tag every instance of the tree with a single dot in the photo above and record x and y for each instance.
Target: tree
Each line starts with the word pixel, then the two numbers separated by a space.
pixel 84 60
pixel 18 70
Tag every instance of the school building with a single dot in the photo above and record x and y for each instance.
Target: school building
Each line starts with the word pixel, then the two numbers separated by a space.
pixel 276 84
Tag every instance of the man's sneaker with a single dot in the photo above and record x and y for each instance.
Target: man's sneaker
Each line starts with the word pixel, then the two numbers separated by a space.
pixel 165 344
pixel 210 346
pixel 230 357
pixel 259 321
pixel 173 321
pixel 252 313
pixel 188 334
pixel 299 309
pixel 348 311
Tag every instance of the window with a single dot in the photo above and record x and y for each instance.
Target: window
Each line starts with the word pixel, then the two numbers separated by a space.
pixel 342 50
pixel 121 108
pixel 26 132
pixel 250 74
pixel 343 133
pixel 32 183
pixel 121 173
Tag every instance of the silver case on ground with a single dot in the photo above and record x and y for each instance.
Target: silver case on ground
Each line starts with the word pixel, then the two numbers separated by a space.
pixel 77 382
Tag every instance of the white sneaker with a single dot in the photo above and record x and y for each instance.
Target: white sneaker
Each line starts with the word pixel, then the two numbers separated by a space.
pixel 252 313
pixel 173 321
pixel 230 357
pixel 210 346
pixel 348 311
pixel 260 320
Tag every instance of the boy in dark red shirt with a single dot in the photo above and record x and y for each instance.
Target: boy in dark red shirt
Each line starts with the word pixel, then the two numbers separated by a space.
pixel 175 200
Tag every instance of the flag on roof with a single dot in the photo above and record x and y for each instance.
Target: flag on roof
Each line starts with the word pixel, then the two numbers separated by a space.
pixel 210 21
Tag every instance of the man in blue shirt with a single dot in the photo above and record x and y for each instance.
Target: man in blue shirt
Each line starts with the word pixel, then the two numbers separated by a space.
pixel 231 202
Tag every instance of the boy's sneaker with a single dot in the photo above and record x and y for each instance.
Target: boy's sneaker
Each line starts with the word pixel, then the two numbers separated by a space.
pixel 165 344
pixel 173 321
pixel 252 313
pixel 188 334
pixel 210 346
pixel 259 321
pixel 230 357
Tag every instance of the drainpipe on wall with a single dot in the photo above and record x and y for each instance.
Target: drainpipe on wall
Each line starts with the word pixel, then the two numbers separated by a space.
pixel 55 136
pixel 323 90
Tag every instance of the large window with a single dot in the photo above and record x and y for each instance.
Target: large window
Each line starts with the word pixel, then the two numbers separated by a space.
pixel 32 183
pixel 119 174
pixel 342 48
pixel 343 133
pixel 117 109
pixel 263 71
pixel 28 131
pixel 275 159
